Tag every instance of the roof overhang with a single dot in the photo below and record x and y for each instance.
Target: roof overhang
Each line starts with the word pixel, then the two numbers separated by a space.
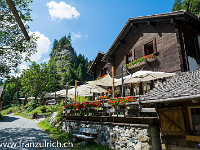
pixel 97 58
pixel 181 15
pixel 168 100
pixel 18 19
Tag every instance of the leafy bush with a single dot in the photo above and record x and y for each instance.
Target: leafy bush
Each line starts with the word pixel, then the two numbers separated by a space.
pixel 1 117
pixel 10 110
pixel 30 106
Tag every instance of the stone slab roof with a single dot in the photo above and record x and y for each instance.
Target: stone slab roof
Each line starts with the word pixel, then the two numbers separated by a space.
pixel 184 86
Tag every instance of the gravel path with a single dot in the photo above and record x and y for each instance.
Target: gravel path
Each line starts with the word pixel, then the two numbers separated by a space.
pixel 24 133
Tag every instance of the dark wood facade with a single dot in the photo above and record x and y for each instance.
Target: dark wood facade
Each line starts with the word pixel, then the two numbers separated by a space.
pixel 99 67
pixel 173 37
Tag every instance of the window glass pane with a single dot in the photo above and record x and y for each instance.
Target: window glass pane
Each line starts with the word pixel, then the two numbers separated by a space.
pixel 130 57
pixel 148 48
pixel 195 113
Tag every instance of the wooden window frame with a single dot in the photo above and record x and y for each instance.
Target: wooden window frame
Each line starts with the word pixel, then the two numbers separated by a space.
pixel 132 53
pixel 190 115
pixel 154 46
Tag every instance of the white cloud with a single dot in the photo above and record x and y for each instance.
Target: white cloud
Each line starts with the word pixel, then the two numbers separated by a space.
pixel 62 10
pixel 46 60
pixel 76 35
pixel 23 66
pixel 43 46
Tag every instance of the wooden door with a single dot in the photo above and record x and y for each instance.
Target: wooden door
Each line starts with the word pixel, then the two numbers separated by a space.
pixel 172 121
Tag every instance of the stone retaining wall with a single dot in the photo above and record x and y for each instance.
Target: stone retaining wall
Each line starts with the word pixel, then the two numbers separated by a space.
pixel 119 136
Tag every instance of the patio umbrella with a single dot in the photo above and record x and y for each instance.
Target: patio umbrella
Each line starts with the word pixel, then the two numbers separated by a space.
pixel 105 81
pixel 143 76
pixel 95 88
pixel 82 91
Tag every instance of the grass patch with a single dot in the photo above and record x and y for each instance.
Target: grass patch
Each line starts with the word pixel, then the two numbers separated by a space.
pixel 1 117
pixel 57 134
pixel 23 115
pixel 9 110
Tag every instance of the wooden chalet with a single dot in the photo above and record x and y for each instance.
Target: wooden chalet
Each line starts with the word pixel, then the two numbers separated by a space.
pixel 177 101
pixel 99 67
pixel 174 39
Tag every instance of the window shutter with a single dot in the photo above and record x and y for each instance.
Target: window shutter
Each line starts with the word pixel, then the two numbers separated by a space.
pixel 126 58
pixel 154 45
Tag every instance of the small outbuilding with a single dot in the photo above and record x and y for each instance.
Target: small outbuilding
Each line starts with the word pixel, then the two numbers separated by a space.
pixel 177 101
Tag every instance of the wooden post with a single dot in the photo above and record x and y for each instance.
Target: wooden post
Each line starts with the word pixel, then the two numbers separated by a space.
pixel 113 77
pixel 75 91
pixel 136 89
pixel 66 92
pixel 131 90
pixel 157 82
pixel 146 87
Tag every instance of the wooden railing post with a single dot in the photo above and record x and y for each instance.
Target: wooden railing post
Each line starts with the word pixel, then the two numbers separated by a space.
pixel 113 77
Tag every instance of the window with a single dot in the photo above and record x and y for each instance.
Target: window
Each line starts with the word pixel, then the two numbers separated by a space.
pixel 148 48
pixel 194 114
pixel 105 71
pixel 130 57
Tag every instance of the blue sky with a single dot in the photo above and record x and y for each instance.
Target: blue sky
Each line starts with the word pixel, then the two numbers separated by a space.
pixel 93 24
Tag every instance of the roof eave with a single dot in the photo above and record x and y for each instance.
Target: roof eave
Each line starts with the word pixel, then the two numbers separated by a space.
pixel 177 99
pixel 179 15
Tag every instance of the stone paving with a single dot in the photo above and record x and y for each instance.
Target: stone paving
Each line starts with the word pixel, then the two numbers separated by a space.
pixel 22 132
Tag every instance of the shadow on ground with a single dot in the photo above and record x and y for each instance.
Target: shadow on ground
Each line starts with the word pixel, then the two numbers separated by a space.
pixel 24 135
pixel 9 119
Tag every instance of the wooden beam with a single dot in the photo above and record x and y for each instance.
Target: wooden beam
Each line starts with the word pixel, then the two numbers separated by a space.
pixel 75 90
pixel 66 92
pixel 113 77
pixel 18 19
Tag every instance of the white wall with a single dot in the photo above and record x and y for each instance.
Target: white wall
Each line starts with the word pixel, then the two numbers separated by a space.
pixel 192 63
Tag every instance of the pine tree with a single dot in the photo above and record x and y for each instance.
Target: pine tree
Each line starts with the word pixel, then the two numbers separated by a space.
pixel 176 5
pixel 192 6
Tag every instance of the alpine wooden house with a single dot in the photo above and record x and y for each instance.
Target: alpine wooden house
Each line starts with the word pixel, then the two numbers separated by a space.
pixel 172 37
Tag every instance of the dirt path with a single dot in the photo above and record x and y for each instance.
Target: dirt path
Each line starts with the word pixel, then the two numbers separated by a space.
pixel 22 133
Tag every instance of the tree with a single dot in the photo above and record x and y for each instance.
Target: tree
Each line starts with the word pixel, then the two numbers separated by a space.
pixel 192 6
pixel 33 80
pixel 11 86
pixel 13 44
pixel 52 77
pixel 176 5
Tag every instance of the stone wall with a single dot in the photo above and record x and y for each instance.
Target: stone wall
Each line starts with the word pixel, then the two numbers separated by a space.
pixel 119 136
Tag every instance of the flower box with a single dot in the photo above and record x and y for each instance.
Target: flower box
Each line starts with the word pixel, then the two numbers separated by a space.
pixel 137 65
pixel 142 63
pixel 150 59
